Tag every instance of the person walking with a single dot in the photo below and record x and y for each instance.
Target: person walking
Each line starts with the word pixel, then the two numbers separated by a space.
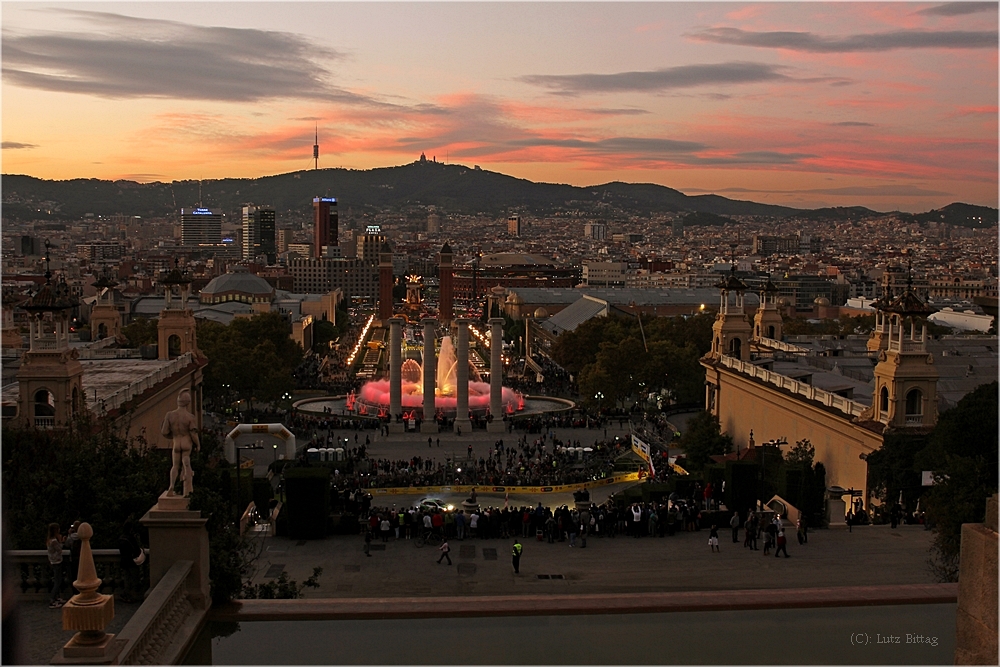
pixel 368 543
pixel 800 530
pixel 768 539
pixel 782 544
pixel 516 556
pixel 734 523
pixel 713 539
pixel 445 550
pixel 54 544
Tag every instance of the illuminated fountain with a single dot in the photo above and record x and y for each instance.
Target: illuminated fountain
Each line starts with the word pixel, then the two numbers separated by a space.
pixel 374 396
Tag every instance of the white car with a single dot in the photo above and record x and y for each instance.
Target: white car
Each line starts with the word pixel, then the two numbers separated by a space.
pixel 433 504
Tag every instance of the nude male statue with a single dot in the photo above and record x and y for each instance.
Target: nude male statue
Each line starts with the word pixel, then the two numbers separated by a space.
pixel 182 426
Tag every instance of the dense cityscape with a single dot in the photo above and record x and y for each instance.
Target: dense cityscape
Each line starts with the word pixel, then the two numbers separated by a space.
pixel 650 333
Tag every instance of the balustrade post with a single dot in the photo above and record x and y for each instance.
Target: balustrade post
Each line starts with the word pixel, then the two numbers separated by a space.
pixel 88 612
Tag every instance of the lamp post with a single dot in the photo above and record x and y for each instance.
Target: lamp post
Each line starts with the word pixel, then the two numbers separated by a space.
pixel 763 463
pixel 239 476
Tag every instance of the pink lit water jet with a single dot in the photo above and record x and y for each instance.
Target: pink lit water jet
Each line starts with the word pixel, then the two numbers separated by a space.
pixel 375 394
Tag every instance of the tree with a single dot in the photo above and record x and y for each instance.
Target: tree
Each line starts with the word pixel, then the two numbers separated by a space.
pixel 802 453
pixel 962 452
pixel 84 473
pixel 703 439
pixel 140 331
pixel 250 359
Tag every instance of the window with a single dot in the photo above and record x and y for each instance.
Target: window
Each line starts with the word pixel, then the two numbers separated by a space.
pixel 44 403
pixel 883 400
pixel 914 403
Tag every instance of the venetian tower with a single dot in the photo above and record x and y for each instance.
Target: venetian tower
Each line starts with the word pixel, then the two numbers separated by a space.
pixel 905 376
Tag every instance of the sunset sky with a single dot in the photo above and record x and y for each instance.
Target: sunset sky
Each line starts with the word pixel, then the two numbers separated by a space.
pixel 885 105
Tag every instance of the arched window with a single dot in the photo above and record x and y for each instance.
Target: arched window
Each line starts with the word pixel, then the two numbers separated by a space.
pixel 174 346
pixel 76 401
pixel 914 403
pixel 735 346
pixel 45 403
pixel 770 331
pixel 883 399
pixel 102 331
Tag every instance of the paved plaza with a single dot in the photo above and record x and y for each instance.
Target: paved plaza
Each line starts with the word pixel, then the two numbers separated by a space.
pixel 868 556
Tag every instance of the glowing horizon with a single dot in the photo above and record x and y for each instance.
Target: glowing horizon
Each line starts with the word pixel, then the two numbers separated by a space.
pixel 888 105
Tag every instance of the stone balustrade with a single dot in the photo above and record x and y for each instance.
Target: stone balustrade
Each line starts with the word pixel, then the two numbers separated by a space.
pixel 776 344
pixel 33 574
pixel 845 405
pixel 125 394
pixel 162 629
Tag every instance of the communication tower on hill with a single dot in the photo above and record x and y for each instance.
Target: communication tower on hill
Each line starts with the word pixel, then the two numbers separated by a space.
pixel 316 149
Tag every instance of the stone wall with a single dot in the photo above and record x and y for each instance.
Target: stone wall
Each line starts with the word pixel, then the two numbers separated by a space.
pixel 976 635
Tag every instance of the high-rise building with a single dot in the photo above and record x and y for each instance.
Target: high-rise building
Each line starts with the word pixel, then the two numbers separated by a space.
pixel 201 226
pixel 369 244
pixel 325 224
pixel 258 233
pixel 595 231
pixel 284 237
pixel 514 225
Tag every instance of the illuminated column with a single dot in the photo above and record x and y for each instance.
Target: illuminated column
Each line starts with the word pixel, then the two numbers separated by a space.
pixel 496 375
pixel 462 377
pixel 395 373
pixel 428 425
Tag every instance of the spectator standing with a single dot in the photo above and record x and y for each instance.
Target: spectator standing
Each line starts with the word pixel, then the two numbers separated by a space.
pixel 384 527
pixel 734 523
pixel 130 556
pixel 800 530
pixel 368 543
pixel 713 539
pixel 54 544
pixel 74 545
pixel 445 550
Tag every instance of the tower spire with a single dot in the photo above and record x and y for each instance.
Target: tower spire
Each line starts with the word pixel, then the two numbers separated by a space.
pixel 48 258
pixel 316 148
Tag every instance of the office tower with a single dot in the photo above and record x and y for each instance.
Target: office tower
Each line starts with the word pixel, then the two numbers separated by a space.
pixel 258 233
pixel 201 226
pixel 325 224
pixel 514 225
pixel 369 244
pixel 595 231
pixel 283 238
pixel 433 223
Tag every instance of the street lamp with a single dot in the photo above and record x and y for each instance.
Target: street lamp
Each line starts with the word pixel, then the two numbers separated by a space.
pixel 763 463
pixel 257 445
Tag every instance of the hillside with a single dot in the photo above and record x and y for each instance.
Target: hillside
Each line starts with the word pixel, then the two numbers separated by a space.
pixel 452 188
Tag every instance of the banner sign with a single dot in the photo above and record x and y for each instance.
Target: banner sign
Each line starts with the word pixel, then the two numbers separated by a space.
pixel 642 449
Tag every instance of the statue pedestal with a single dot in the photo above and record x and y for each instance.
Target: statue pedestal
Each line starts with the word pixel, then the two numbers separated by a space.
pixel 429 427
pixel 397 427
pixel 464 424
pixel 496 426
pixel 178 534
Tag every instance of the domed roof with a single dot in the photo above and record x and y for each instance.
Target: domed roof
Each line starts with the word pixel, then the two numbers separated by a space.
pixel 821 301
pixel 514 300
pixel 784 301
pixel 238 281
pixel 541 312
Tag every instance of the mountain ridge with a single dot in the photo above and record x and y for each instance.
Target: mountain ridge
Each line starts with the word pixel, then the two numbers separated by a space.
pixel 453 188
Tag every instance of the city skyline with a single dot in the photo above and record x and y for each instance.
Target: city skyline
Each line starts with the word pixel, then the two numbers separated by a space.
pixel 889 106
